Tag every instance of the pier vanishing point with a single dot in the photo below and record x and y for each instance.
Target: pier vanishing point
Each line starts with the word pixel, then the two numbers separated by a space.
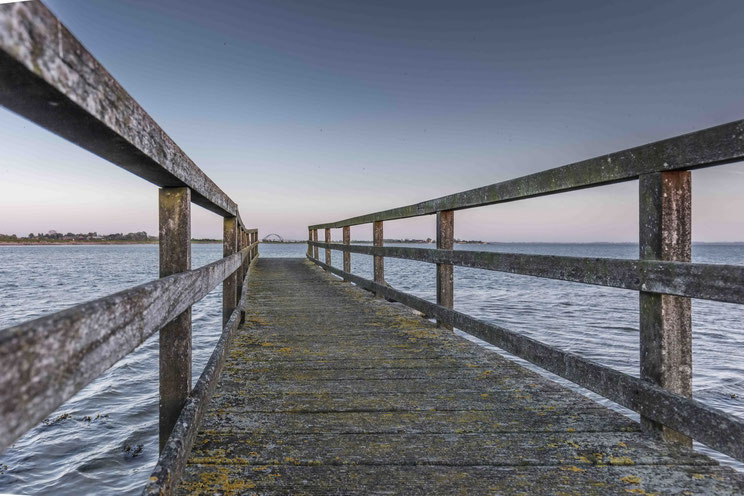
pixel 325 382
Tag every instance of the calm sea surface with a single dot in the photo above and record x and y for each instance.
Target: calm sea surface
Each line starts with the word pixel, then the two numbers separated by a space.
pixel 104 440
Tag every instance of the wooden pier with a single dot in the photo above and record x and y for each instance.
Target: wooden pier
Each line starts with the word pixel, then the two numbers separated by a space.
pixel 325 382
pixel 329 390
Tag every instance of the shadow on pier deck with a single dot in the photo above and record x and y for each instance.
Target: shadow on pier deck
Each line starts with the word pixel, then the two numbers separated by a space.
pixel 329 390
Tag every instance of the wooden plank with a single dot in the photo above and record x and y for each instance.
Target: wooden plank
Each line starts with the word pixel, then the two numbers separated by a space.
pixel 717 282
pixel 717 429
pixel 602 479
pixel 708 147
pixel 174 337
pixel 45 361
pixel 49 77
pixel 666 320
pixel 445 273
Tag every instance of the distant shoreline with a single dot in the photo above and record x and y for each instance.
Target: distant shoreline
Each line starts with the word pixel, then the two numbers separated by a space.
pixel 80 243
pixel 219 241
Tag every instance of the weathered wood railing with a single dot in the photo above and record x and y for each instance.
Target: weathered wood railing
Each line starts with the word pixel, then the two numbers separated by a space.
pixel 664 277
pixel 47 76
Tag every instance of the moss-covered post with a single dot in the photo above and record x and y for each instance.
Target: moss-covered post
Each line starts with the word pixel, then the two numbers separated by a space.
pixel 445 241
pixel 315 248
pixel 175 337
pixel 327 250
pixel 379 262
pixel 665 320
pixel 347 242
pixel 230 284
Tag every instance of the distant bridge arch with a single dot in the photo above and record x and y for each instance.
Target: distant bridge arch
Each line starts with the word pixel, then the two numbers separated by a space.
pixel 273 237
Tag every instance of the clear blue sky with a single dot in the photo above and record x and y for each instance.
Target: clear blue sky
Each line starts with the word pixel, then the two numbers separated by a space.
pixel 307 112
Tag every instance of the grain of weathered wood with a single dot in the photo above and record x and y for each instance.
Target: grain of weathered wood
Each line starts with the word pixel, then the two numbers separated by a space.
pixel 445 273
pixel 712 427
pixel 665 200
pixel 45 361
pixel 707 147
pixel 705 281
pixel 328 250
pixel 347 242
pixel 378 262
pixel 230 284
pixel 369 398
pixel 315 247
pixel 48 77
pixel 175 338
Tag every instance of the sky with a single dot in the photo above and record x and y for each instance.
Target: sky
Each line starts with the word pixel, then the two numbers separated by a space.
pixel 306 112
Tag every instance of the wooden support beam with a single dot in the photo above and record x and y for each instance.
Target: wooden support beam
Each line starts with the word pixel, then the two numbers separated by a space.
pixel 175 337
pixel 309 239
pixel 445 241
pixel 230 285
pixel 379 262
pixel 347 242
pixel 242 243
pixel 328 250
pixel 665 320
pixel 240 246
pixel 315 248
pixel 248 242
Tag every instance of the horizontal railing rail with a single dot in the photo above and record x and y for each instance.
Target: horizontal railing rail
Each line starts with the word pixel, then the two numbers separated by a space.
pixel 717 282
pixel 48 77
pixel 51 79
pixel 664 277
pixel 714 146
pixel 64 351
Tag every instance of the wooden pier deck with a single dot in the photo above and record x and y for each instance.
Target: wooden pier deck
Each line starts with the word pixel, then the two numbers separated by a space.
pixel 329 390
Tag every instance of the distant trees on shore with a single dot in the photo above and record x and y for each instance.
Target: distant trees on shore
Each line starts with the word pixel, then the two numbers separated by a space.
pixel 56 237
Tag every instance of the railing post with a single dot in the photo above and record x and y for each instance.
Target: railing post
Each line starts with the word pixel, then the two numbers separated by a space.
pixel 242 244
pixel 175 337
pixel 241 269
pixel 309 240
pixel 253 237
pixel 246 243
pixel 328 250
pixel 315 248
pixel 445 241
pixel 379 262
pixel 665 320
pixel 230 285
pixel 347 242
